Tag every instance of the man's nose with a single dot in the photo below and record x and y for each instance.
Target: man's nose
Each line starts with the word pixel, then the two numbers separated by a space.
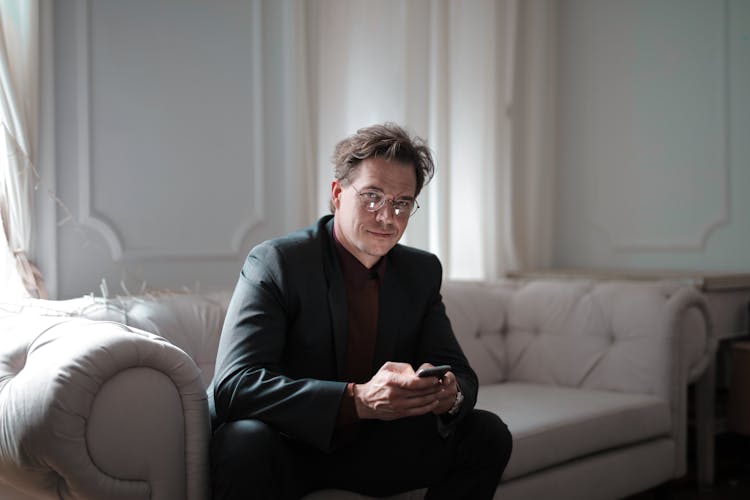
pixel 385 213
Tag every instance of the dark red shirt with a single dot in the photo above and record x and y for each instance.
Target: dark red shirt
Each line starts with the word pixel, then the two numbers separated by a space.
pixel 362 287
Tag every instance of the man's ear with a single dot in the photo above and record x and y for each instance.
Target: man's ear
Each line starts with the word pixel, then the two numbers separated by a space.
pixel 336 190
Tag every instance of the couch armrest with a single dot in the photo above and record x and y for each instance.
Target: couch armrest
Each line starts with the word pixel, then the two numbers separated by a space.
pixel 695 331
pixel 694 348
pixel 95 410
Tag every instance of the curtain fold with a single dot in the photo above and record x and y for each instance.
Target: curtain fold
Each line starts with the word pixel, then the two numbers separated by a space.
pixel 19 63
pixel 475 78
pixel 533 141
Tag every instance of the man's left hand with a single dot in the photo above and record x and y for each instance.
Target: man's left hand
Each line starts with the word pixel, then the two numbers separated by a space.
pixel 447 394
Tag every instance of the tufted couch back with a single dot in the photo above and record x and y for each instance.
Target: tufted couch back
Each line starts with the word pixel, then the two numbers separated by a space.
pixel 579 333
pixel 191 322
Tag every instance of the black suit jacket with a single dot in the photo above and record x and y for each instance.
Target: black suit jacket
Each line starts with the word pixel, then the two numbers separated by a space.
pixel 282 348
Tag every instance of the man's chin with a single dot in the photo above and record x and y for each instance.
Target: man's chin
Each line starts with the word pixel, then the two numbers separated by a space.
pixel 378 250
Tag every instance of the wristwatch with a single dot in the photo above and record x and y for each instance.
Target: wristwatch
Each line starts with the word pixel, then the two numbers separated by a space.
pixel 457 403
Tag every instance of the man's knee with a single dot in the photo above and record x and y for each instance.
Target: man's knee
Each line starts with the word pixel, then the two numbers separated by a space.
pixel 246 450
pixel 491 435
pixel 244 444
pixel 247 460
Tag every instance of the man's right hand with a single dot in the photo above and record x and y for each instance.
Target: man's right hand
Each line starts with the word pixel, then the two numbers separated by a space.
pixel 395 392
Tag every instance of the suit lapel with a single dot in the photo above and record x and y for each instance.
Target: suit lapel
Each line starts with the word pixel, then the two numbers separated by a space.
pixel 336 297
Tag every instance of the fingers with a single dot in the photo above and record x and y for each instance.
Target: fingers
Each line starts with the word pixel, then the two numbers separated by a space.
pixel 407 408
pixel 448 394
pixel 382 398
pixel 401 368
pixel 395 391
pixel 403 375
pixel 404 382
pixel 439 400
pixel 406 390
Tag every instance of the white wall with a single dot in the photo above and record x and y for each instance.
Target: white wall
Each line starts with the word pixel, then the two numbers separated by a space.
pixel 169 143
pixel 654 129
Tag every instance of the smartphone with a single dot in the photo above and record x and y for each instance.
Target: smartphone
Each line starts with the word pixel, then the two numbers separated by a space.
pixel 434 371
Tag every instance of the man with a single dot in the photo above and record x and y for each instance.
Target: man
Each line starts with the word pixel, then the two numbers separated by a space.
pixel 316 381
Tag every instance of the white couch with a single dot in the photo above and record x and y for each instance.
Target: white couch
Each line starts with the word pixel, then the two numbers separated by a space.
pixel 591 377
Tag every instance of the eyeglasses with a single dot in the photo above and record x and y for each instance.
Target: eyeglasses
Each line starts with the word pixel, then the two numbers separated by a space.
pixel 372 201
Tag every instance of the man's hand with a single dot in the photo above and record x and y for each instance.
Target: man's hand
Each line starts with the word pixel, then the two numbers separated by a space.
pixel 395 391
pixel 448 391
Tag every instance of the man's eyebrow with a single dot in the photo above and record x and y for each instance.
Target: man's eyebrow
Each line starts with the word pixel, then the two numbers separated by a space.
pixel 376 188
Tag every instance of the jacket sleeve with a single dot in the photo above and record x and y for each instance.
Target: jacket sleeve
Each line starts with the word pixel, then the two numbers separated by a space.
pixel 438 345
pixel 249 381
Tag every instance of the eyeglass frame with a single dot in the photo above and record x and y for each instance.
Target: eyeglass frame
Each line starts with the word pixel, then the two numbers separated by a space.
pixel 383 201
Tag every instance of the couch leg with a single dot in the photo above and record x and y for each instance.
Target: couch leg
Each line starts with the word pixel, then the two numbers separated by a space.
pixel 705 425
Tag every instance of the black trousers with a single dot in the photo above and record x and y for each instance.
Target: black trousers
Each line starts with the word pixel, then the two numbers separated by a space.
pixel 250 460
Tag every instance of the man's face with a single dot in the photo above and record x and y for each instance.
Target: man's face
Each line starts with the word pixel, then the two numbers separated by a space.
pixel 370 235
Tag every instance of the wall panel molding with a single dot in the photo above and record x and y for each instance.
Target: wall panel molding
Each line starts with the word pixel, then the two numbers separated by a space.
pixel 107 226
pixel 697 240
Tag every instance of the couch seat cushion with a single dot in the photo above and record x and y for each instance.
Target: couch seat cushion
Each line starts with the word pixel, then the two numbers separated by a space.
pixel 552 424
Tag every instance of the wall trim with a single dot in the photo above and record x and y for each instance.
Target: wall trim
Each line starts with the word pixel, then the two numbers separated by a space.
pixel 699 241
pixel 107 230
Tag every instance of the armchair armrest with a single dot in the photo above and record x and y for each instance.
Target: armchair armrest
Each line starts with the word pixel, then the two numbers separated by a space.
pixel 93 409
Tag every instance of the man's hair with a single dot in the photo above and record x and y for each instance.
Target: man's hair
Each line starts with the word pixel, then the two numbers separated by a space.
pixel 388 141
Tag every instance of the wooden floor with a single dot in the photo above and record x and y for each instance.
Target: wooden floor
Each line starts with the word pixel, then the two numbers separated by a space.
pixel 732 475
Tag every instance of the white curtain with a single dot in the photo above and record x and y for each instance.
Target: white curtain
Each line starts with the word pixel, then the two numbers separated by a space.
pixel 19 64
pixel 475 78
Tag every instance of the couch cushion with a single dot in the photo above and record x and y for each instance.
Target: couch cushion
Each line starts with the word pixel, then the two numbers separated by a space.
pixel 191 322
pixel 599 335
pixel 477 312
pixel 551 425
